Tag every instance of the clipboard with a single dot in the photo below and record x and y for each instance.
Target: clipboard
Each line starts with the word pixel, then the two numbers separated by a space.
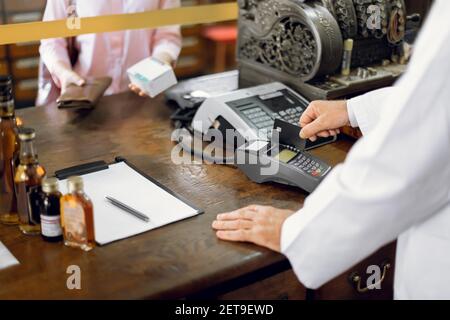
pixel 148 195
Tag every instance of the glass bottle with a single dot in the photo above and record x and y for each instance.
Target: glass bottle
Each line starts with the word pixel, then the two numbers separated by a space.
pixel 9 145
pixel 15 161
pixel 77 216
pixel 50 211
pixel 28 179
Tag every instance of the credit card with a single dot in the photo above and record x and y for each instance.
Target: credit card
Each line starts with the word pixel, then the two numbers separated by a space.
pixel 289 134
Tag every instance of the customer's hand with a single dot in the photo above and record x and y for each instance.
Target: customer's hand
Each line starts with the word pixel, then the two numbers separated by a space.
pixel 137 90
pixel 67 76
pixel 163 57
pixel 260 225
pixel 323 119
pixel 70 78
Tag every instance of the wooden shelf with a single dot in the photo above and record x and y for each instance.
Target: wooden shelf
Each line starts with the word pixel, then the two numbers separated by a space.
pixel 15 6
pixel 21 60
pixel 23 50
pixel 3 68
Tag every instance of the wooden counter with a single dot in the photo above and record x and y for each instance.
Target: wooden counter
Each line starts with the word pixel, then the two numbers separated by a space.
pixel 182 260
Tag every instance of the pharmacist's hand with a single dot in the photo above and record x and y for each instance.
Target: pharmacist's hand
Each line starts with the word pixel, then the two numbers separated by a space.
pixel 323 119
pixel 260 225
pixel 136 90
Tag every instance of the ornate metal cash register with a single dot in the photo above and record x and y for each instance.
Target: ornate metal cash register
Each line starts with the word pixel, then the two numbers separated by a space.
pixel 302 44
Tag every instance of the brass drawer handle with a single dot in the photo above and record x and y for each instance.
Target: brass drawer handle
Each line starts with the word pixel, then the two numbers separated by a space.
pixel 356 279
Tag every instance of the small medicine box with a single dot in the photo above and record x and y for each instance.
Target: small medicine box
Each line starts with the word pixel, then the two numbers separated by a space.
pixel 152 76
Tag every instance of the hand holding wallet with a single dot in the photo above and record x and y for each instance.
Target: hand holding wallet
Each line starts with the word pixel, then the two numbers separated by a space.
pixel 86 96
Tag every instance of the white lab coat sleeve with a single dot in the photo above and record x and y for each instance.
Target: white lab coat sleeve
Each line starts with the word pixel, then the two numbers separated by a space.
pixel 393 178
pixel 364 111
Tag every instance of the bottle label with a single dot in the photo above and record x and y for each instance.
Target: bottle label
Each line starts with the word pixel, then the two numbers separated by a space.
pixel 29 204
pixel 7 106
pixel 35 203
pixel 7 145
pixel 51 226
pixel 74 223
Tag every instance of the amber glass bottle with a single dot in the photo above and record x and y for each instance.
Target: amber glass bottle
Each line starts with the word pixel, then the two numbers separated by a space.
pixel 16 156
pixel 77 216
pixel 9 145
pixel 28 179
pixel 51 211
pixel 15 162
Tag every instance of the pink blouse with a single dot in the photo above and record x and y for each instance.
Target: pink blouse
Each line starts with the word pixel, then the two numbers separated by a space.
pixel 110 54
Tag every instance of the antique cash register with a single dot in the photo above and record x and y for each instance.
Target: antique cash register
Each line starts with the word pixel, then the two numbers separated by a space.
pixel 327 49
pixel 302 44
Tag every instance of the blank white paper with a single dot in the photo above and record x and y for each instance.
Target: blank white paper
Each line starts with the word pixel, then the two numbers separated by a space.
pixel 131 188
pixel 6 258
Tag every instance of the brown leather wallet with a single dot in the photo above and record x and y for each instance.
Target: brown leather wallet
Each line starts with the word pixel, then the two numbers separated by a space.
pixel 84 97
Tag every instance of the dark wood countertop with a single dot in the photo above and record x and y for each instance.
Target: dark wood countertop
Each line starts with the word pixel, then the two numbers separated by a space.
pixel 179 260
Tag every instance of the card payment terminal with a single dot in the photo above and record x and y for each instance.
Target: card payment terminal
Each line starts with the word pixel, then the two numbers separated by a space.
pixel 264 161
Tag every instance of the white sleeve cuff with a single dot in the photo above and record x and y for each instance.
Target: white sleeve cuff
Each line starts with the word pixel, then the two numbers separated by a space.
pixel 359 113
pixel 351 113
pixel 364 111
pixel 292 227
pixel 288 232
pixel 167 47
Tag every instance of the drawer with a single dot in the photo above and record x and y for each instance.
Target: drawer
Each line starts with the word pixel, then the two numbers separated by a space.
pixel 26 49
pixel 26 90
pixel 3 68
pixel 2 52
pixel 189 65
pixel 345 286
pixel 25 68
pixel 191 31
pixel 282 286
pixel 190 3
pixel 24 5
pixel 22 17
pixel 191 47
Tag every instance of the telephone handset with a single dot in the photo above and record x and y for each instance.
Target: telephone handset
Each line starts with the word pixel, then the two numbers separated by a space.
pixel 253 111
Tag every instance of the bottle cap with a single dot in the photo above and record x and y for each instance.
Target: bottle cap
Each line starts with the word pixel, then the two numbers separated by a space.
pixel 5 82
pixel 26 134
pixel 50 185
pixel 6 108
pixel 75 184
pixel 6 98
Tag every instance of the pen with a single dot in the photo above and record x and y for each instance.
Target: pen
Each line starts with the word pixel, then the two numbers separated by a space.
pixel 128 209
